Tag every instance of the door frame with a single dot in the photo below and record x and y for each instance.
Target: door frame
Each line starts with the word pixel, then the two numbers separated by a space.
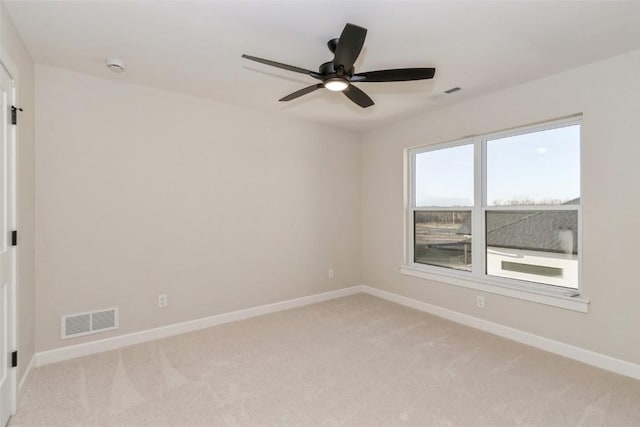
pixel 12 200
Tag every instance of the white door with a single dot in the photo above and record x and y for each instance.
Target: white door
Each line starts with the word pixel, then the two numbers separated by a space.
pixel 7 218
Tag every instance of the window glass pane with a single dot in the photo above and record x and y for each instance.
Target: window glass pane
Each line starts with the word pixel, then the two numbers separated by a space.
pixel 444 178
pixel 443 238
pixel 537 246
pixel 539 168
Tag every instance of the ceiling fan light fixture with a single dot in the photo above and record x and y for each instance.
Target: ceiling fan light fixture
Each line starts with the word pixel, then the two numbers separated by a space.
pixel 336 84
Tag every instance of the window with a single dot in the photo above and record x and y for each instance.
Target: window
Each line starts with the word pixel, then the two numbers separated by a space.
pixel 443 238
pixel 443 200
pixel 501 209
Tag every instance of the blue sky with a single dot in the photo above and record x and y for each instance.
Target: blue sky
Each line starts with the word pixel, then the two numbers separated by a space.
pixel 537 166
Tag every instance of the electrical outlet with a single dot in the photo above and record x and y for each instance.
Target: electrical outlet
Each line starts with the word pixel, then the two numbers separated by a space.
pixel 479 301
pixel 163 301
pixel 331 273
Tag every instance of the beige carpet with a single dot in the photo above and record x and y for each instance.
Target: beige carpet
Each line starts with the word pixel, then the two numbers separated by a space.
pixel 354 361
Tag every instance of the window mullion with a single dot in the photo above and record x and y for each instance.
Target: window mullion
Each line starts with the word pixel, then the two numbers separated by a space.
pixel 410 247
pixel 443 209
pixel 477 228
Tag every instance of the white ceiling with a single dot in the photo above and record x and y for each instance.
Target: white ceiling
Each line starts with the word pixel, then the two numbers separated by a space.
pixel 195 47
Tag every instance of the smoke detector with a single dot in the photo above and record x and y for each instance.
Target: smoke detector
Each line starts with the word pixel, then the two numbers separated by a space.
pixel 115 65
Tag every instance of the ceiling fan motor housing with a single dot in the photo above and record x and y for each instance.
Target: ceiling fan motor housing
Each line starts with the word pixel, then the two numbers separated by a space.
pixel 328 69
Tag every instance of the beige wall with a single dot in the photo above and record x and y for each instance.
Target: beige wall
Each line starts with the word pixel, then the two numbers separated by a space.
pixel 607 93
pixel 14 51
pixel 142 192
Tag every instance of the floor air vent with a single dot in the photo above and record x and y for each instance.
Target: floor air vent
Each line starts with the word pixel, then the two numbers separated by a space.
pixel 76 325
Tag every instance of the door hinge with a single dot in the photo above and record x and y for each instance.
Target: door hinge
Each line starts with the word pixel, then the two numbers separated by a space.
pixel 14 359
pixel 14 114
pixel 14 238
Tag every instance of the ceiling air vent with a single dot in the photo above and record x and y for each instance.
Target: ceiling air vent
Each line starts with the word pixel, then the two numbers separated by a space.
pixel 77 325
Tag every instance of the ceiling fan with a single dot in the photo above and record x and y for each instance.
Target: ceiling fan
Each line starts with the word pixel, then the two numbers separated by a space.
pixel 339 75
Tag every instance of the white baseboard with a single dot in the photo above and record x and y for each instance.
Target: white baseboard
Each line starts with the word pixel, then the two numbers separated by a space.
pixel 589 357
pixel 572 352
pixel 112 343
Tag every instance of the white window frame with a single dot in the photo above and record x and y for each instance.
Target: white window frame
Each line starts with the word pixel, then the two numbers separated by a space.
pixel 477 279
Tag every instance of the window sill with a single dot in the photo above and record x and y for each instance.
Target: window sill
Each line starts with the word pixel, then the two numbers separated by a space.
pixel 494 287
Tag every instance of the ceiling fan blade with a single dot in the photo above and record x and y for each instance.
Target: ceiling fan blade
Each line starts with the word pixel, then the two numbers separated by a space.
pixel 281 65
pixel 397 75
pixel 349 46
pixel 358 96
pixel 301 92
